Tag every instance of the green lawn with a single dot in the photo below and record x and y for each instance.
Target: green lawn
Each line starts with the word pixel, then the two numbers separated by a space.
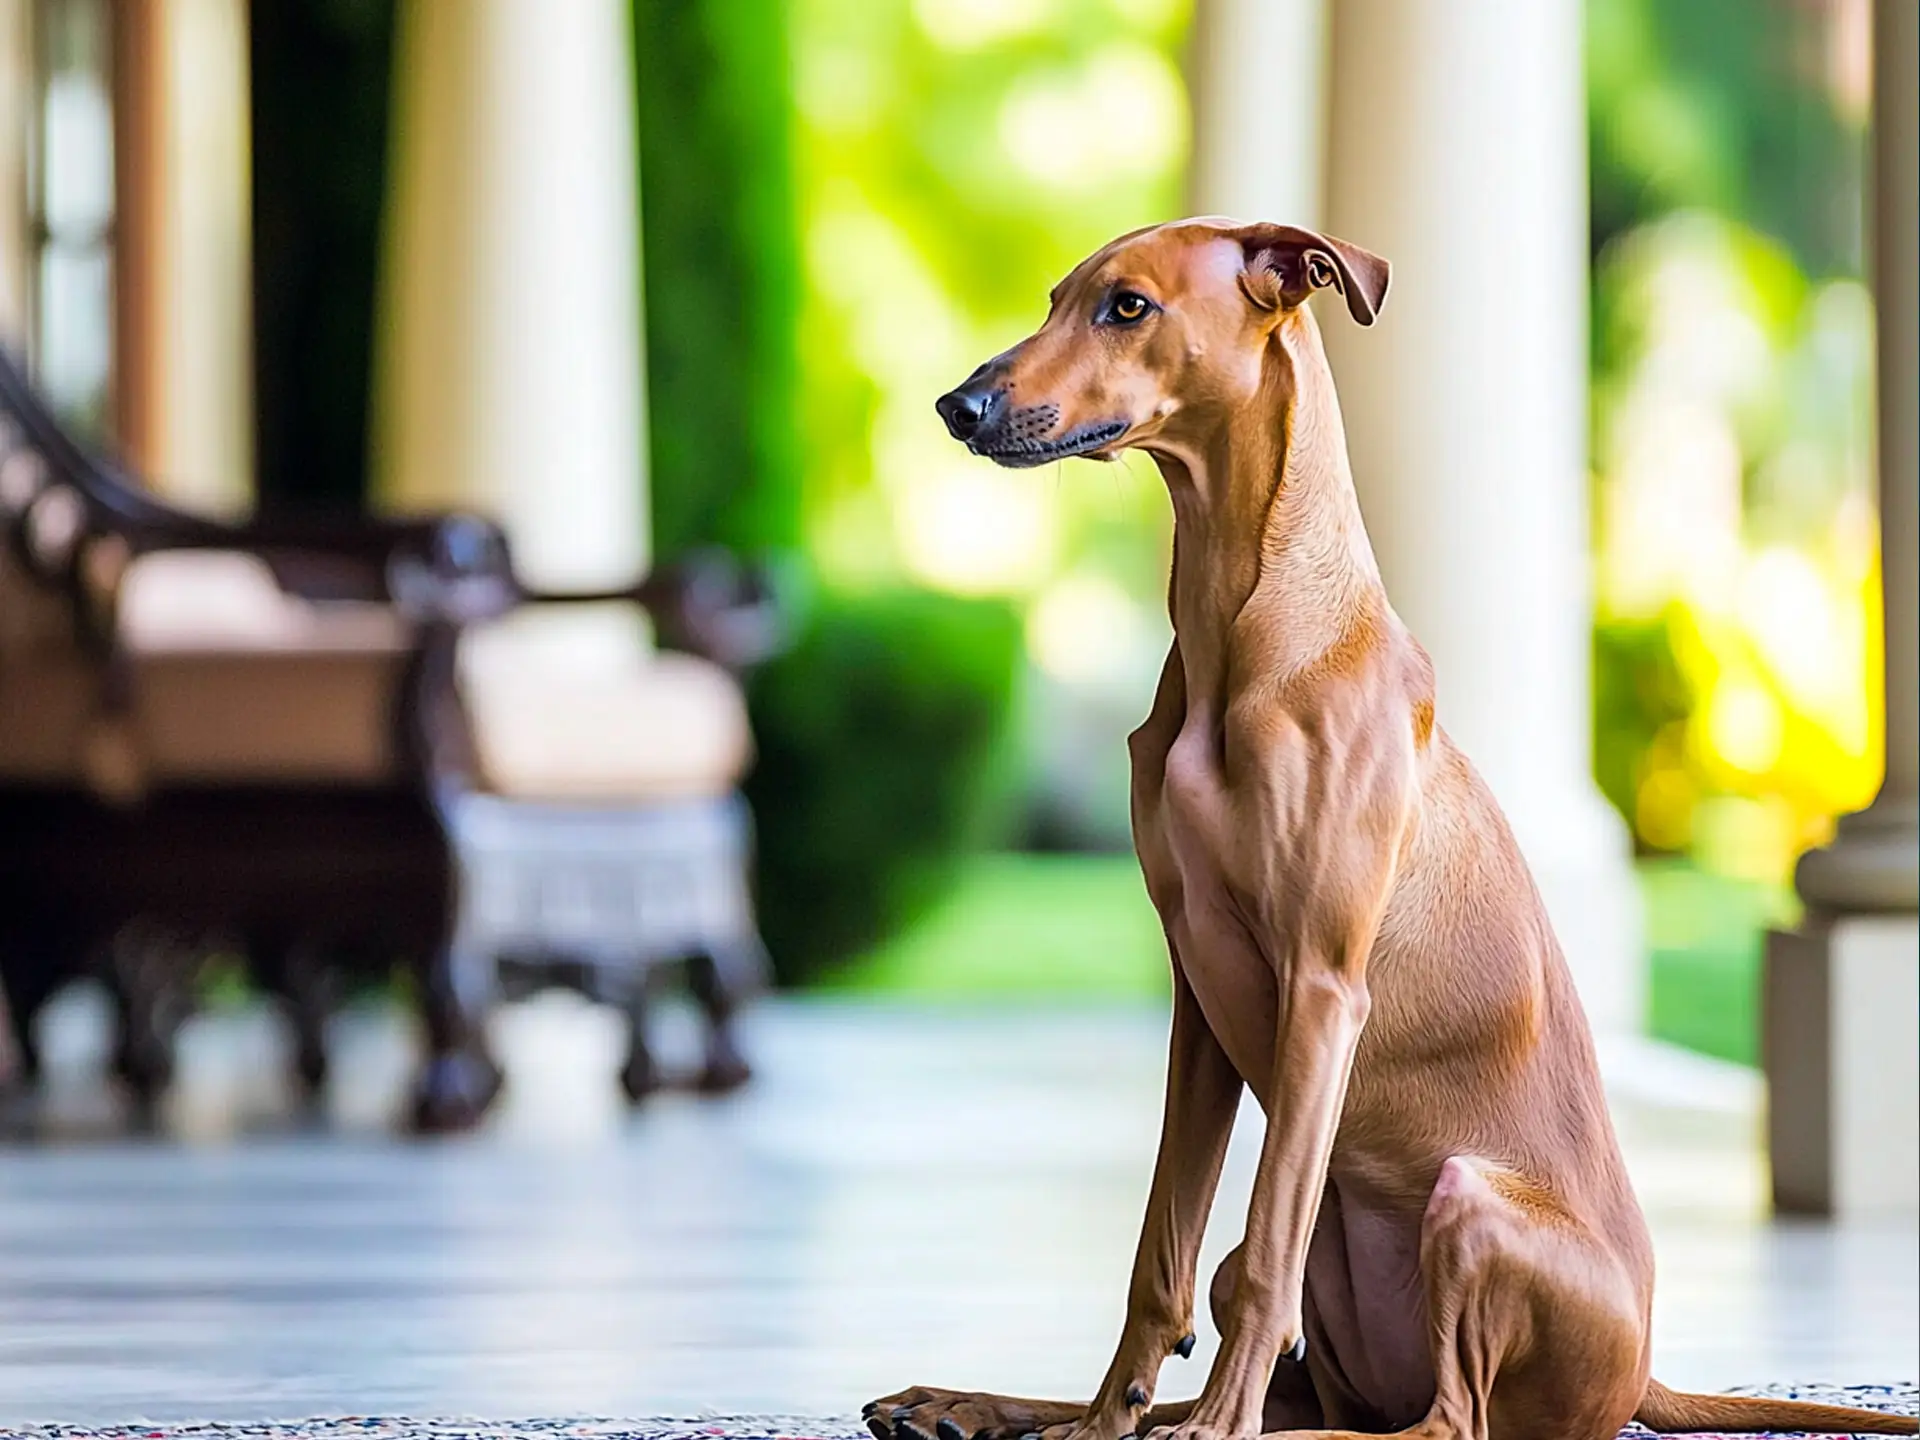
pixel 1027 927
pixel 1705 933
pixel 1038 927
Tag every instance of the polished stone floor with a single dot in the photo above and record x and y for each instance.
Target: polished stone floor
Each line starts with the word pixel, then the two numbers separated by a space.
pixel 905 1196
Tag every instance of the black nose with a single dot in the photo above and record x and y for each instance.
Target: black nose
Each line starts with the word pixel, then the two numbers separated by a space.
pixel 965 410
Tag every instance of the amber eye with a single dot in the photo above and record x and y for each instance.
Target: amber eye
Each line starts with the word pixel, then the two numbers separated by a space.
pixel 1126 307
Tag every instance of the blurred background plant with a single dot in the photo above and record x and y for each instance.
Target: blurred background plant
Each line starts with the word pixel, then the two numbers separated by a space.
pixel 958 614
pixel 848 203
pixel 1737 645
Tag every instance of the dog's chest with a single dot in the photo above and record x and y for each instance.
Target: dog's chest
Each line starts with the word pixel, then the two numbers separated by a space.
pixel 1180 833
pixel 1200 824
pixel 1177 798
pixel 1193 794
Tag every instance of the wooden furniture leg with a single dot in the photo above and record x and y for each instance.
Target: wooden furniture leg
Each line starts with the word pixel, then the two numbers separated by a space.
pixel 460 1078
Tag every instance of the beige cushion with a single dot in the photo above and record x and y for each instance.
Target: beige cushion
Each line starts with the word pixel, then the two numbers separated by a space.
pixel 234 679
pixel 227 601
pixel 578 708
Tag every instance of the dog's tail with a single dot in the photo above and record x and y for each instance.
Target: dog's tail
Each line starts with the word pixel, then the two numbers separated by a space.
pixel 1673 1412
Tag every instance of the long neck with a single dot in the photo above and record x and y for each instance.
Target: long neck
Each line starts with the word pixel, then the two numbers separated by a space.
pixel 1266 522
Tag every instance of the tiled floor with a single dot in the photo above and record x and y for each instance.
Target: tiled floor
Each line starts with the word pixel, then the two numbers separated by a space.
pixel 941 1198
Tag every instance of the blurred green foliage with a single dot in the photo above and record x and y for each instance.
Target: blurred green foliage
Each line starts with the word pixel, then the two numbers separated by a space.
pixel 1705 932
pixel 1731 402
pixel 955 161
pixel 1748 108
pixel 884 758
pixel 1639 694
pixel 883 734
pixel 918 106
pixel 721 269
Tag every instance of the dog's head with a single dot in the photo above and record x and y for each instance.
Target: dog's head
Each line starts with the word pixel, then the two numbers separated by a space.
pixel 1153 334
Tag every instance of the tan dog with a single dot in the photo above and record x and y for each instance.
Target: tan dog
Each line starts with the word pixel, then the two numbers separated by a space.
pixel 1442 1240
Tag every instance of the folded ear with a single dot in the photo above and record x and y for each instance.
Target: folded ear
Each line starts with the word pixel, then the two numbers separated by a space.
pixel 1285 264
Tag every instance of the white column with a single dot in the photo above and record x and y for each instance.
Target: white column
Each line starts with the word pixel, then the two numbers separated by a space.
pixel 509 368
pixel 1457 149
pixel 1256 74
pixel 16 129
pixel 209 273
pixel 185 250
pixel 1841 996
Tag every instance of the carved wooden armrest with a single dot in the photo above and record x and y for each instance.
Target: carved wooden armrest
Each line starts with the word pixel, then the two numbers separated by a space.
pixel 76 520
pixel 706 603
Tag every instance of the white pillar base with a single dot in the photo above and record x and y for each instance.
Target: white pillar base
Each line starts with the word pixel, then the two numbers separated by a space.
pixel 1841 1032
pixel 1873 864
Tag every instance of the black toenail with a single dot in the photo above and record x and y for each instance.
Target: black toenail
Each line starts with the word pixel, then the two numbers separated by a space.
pixel 1299 1350
pixel 1185 1348
pixel 1136 1395
pixel 900 1412
pixel 949 1429
pixel 866 1410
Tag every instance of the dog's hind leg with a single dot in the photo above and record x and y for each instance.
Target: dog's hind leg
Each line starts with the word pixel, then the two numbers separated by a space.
pixel 1537 1331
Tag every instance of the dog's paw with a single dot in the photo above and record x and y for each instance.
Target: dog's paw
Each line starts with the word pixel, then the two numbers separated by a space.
pixel 1191 1430
pixel 923 1413
pixel 1095 1427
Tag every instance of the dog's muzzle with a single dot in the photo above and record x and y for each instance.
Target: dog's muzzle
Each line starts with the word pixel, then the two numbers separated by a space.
pixel 981 418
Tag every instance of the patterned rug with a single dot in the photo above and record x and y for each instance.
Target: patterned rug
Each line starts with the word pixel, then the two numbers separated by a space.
pixel 1894 1399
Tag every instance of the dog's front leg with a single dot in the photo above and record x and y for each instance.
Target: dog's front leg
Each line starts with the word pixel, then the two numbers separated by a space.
pixel 1319 937
pixel 1203 1091
pixel 1321 1020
